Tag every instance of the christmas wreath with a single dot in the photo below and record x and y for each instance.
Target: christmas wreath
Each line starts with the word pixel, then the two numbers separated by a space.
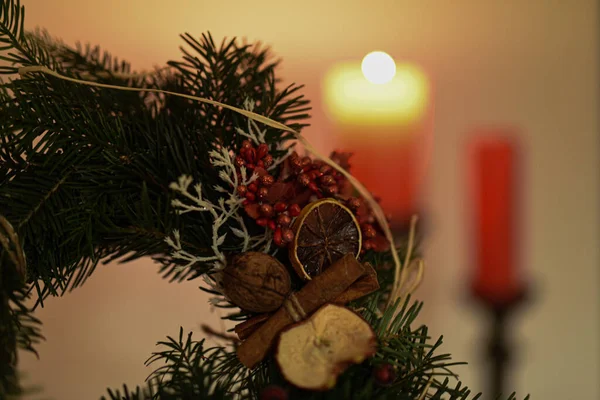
pixel 197 166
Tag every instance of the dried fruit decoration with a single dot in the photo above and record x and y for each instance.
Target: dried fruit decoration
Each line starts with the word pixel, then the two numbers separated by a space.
pixel 314 352
pixel 324 232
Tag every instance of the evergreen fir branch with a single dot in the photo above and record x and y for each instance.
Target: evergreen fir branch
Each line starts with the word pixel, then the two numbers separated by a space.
pixel 188 370
pixel 92 60
pixel 12 17
pixel 43 200
pixel 139 393
pixel 18 47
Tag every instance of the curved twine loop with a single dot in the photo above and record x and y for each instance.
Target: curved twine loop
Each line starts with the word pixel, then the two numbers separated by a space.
pixel 401 270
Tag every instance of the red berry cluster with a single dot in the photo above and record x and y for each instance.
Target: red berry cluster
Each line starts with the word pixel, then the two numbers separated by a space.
pixel 273 203
pixel 276 216
pixel 252 157
pixel 321 179
pixel 372 236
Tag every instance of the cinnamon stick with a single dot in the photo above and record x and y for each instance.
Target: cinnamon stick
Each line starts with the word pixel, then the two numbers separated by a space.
pixel 248 327
pixel 322 289
pixel 367 283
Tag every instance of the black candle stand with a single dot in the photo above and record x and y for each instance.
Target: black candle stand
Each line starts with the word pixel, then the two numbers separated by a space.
pixel 499 352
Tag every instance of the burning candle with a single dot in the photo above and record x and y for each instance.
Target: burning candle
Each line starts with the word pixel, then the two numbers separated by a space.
pixel 495 206
pixel 382 114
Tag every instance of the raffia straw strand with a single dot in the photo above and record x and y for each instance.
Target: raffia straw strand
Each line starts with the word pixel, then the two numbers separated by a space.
pixel 123 75
pixel 294 308
pixel 401 273
pixel 424 393
pixel 379 215
pixel 420 265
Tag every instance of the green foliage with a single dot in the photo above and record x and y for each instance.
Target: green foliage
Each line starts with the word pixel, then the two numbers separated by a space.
pixel 84 180
pixel 83 184
pixel 190 370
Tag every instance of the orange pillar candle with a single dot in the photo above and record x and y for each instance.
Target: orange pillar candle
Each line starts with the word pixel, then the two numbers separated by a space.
pixel 387 127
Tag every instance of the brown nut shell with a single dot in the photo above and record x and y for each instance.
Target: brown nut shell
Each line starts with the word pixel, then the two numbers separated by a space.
pixel 256 282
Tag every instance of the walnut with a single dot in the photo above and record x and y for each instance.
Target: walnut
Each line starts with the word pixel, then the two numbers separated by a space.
pixel 256 282
pixel 314 352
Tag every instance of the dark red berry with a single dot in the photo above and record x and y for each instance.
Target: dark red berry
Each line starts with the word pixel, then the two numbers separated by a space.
pixel 313 187
pixel 262 151
pixel 277 237
pixel 384 374
pixel 253 187
pixel 260 164
pixel 280 206
pixel 273 392
pixel 272 225
pixel 313 174
pixel 304 179
pixel 241 190
pixel 284 220
pixel 267 161
pixel 266 210
pixel 325 169
pixel 353 203
pixel 262 193
pixel 239 162
pixel 250 196
pixel 327 180
pixel 287 235
pixel 251 155
pixel 305 162
pixel 331 190
pixel 296 164
pixel 267 180
pixel 294 210
pixel 368 231
pixel 262 221
pixel 246 144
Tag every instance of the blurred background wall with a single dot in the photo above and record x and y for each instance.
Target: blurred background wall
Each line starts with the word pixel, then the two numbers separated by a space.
pixel 530 64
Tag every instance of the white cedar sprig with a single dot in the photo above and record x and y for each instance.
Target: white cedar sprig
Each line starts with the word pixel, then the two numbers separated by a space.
pixel 181 254
pixel 254 133
pixel 257 135
pixel 224 210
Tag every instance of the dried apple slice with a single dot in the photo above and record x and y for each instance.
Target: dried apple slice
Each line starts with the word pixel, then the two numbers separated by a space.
pixel 314 352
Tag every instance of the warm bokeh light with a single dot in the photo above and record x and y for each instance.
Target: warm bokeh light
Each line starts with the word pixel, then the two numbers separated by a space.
pixel 378 67
pixel 352 100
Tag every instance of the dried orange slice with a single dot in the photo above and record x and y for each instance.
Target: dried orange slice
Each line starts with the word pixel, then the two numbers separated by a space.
pixel 324 232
